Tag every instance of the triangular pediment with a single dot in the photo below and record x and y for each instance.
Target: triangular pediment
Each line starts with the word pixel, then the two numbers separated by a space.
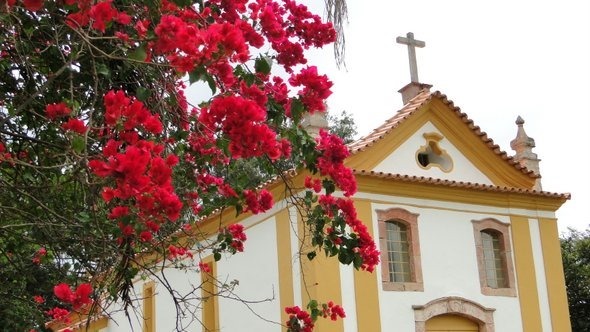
pixel 432 138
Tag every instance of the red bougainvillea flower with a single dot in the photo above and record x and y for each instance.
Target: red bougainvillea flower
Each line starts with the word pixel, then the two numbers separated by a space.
pixel 54 111
pixel 299 320
pixel 33 5
pixel 204 267
pixel 59 314
pixel 316 88
pixel 331 162
pixel 76 298
pixel 75 125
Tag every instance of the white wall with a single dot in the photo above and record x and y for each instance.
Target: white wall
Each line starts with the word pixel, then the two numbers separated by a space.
pixel 257 272
pixel 449 268
pixel 449 265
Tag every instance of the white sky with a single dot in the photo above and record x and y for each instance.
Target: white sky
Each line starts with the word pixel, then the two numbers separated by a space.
pixel 496 60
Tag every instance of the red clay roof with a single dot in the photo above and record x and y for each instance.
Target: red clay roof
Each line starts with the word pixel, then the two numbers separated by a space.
pixel 412 107
pixel 460 184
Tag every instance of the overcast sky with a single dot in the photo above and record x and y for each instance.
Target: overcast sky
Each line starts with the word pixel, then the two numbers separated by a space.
pixel 496 60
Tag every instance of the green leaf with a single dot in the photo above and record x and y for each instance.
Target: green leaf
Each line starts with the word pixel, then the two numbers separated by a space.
pixel 329 186
pixel 263 64
pixel 358 262
pixel 103 70
pixel 239 209
pixel 142 93
pixel 196 75
pixel 296 109
pixel 139 54
pixel 211 83
pixel 311 255
pixel 78 144
pixel 217 256
pixel 313 304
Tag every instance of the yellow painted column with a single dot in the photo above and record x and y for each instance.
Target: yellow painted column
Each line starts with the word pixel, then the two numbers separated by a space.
pixel 554 275
pixel 149 307
pixel 283 233
pixel 320 280
pixel 366 285
pixel 210 310
pixel 524 264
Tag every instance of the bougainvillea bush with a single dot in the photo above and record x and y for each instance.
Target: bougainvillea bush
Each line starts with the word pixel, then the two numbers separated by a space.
pixel 104 155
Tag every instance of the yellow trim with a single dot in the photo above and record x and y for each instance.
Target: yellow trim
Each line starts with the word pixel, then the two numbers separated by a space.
pixel 376 153
pixel 492 165
pixel 149 307
pixel 95 325
pixel 77 323
pixel 210 312
pixel 283 234
pixel 499 171
pixel 366 285
pixel 554 275
pixel 320 280
pixel 525 271
pixel 385 186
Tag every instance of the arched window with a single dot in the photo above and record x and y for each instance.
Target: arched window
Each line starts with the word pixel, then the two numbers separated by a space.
pixel 401 268
pixel 398 252
pixel 494 257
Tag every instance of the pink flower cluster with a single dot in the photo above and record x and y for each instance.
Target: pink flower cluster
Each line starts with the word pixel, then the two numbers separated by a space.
pixel 77 298
pixel 314 184
pixel 249 136
pixel 60 110
pixel 331 162
pixel 366 249
pixel 142 174
pixel 257 202
pixel 316 88
pixel 175 252
pixel 299 320
pixel 100 14
pixel 39 254
pixel 235 236
pixel 334 311
pixel 204 267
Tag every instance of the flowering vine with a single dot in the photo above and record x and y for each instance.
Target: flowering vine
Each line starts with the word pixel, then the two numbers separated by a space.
pixel 99 142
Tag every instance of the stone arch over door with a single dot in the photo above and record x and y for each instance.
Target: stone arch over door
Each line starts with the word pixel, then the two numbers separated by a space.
pixel 456 306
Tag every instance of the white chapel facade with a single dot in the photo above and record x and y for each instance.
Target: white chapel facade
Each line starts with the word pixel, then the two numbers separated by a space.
pixel 468 241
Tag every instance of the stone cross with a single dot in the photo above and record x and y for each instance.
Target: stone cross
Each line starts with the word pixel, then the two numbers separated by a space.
pixel 412 44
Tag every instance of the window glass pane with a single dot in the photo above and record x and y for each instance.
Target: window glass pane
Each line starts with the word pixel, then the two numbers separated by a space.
pixel 398 252
pixel 493 260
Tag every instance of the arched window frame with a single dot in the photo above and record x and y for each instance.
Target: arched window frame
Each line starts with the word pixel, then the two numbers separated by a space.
pixel 502 230
pixel 410 220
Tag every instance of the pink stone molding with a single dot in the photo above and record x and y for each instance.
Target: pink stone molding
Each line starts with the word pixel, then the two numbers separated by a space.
pixel 411 222
pixel 504 230
pixel 459 306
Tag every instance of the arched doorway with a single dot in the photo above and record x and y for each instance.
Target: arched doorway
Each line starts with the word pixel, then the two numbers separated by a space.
pixel 454 309
pixel 451 323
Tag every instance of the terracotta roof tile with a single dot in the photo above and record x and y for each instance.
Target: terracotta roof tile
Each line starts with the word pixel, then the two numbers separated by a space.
pixel 414 105
pixel 460 184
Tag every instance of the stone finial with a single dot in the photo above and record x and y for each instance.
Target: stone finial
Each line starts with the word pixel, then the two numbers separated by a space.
pixel 313 122
pixel 523 146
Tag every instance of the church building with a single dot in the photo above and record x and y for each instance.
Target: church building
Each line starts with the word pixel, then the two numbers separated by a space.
pixel 468 240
